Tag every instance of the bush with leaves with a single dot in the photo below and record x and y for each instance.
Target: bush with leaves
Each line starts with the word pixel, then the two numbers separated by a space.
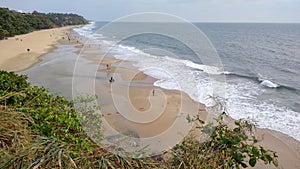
pixel 224 148
pixel 53 116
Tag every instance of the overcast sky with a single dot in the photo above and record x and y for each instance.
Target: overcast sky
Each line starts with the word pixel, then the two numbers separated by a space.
pixel 192 10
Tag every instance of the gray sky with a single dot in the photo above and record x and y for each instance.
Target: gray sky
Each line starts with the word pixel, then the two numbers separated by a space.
pixel 192 10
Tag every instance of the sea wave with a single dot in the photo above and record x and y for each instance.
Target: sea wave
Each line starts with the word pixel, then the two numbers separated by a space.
pixel 86 30
pixel 268 83
pixel 262 81
pixel 172 73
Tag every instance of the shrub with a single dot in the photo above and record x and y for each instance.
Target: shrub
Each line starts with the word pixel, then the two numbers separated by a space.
pixel 224 148
pixel 53 116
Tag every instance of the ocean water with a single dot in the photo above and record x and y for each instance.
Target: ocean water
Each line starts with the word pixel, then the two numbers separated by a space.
pixel 261 63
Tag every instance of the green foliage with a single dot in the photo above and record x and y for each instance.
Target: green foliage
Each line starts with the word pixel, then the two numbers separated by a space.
pixel 15 23
pixel 224 148
pixel 53 116
pixel 66 19
pixel 3 33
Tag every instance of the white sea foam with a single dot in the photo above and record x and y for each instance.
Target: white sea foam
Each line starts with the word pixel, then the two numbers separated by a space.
pixel 173 73
pixel 85 30
pixel 205 68
pixel 243 102
pixel 268 83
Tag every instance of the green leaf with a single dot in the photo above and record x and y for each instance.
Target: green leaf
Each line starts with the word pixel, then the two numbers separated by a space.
pixel 254 139
pixel 252 161
pixel 255 151
pixel 230 163
pixel 244 165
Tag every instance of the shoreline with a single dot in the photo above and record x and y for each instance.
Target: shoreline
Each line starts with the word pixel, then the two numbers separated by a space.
pixel 287 147
pixel 23 51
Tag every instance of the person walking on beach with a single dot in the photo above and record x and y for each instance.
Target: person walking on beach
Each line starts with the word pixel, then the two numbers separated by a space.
pixel 107 68
pixel 153 91
pixel 111 79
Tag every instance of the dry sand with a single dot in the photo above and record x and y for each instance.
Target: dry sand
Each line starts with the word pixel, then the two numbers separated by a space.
pixel 14 55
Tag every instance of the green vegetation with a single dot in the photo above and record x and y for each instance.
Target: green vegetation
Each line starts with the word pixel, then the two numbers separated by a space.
pixel 224 148
pixel 38 129
pixel 52 116
pixel 15 23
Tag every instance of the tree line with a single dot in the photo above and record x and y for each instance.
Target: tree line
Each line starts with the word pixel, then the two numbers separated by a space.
pixel 15 23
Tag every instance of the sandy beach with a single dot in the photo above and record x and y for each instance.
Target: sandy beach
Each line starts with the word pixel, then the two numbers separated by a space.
pixel 131 105
pixel 287 148
pixel 22 51
pixel 134 88
pixel 140 98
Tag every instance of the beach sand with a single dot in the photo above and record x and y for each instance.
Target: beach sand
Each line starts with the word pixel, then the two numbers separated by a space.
pixel 14 51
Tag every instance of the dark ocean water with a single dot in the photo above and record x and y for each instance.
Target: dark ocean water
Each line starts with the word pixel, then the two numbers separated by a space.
pixel 257 52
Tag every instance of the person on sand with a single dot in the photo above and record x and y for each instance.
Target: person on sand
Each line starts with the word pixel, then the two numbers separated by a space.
pixel 111 79
pixel 107 68
pixel 153 91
